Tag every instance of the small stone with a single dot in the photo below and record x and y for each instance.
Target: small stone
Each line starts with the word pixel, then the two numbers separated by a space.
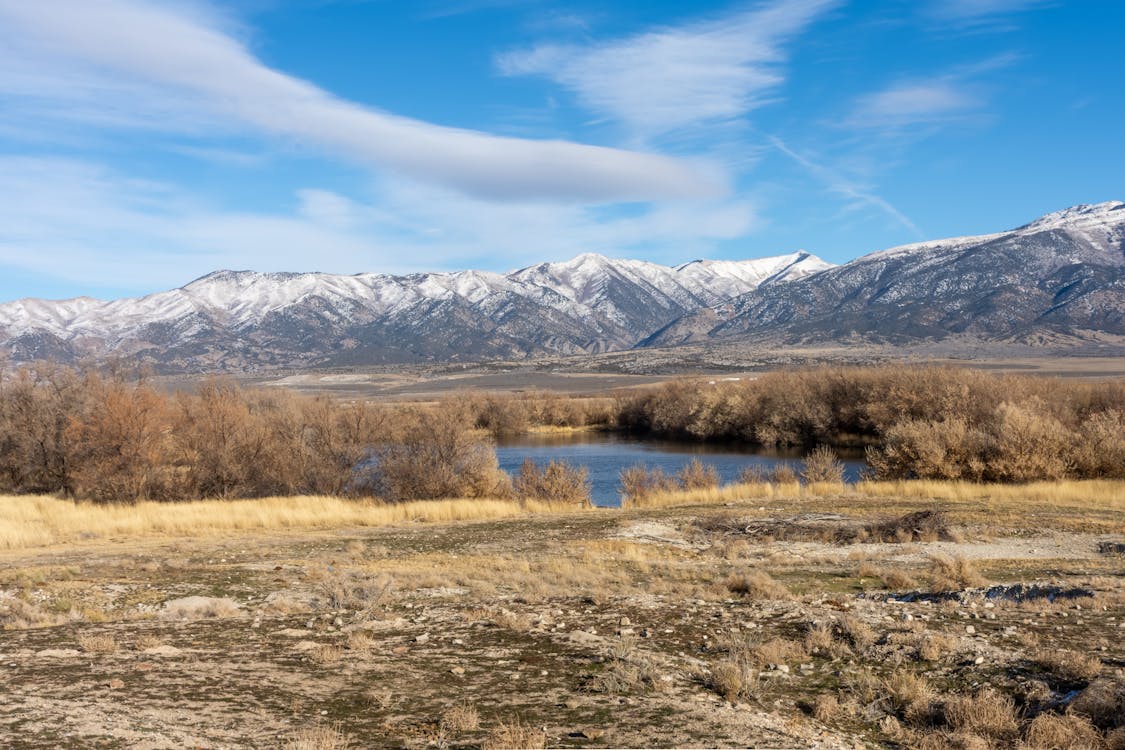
pixel 591 734
pixel 970 629
pixel 458 642
pixel 338 622
pixel 422 638
pixel 624 621
pixel 115 684
pixel 979 660
pixel 459 671
pixel 624 631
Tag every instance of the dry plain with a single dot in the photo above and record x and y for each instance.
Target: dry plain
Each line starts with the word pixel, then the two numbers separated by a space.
pixel 760 617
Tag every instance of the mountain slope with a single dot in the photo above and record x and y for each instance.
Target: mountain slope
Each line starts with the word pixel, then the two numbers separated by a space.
pixel 1063 274
pixel 246 320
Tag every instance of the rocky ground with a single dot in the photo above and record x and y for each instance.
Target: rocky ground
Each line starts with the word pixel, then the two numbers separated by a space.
pixel 815 625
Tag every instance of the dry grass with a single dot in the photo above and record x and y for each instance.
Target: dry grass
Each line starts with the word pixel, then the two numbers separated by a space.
pixel 514 735
pixel 98 644
pixel 326 653
pixel 462 717
pixel 732 678
pixel 1071 666
pixel 756 585
pixel 729 493
pixel 34 521
pixel 319 737
pixel 910 696
pixel 953 573
pixel 1061 732
pixel 1103 703
pixel 1105 493
pixel 148 641
pixel 986 714
pixel 857 632
pixel 826 708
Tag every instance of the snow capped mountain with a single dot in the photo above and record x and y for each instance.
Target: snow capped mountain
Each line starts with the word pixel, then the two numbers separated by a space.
pixel 1060 276
pixel 247 319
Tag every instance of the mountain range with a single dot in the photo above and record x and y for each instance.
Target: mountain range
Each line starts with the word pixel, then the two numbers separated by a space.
pixel 1060 277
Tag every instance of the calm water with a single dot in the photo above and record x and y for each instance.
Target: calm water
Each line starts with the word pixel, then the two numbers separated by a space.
pixel 605 455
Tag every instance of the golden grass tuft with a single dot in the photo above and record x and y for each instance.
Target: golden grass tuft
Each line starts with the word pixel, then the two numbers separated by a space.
pixel 757 585
pixel 462 717
pixel 514 735
pixel 1049 731
pixel 953 573
pixel 98 643
pixel 36 520
pixel 728 493
pixel 318 737
pixel 987 714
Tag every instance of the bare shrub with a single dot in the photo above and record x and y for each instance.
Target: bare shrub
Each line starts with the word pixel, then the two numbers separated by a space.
pixel 514 735
pixel 953 573
pixel 1100 451
pixel 756 585
pixel 822 465
pixel 916 449
pixel 437 456
pixel 753 475
pixel 696 475
pixel 639 483
pixel 783 473
pixel 557 482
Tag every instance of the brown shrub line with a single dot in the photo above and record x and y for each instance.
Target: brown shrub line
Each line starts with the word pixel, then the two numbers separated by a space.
pixel 917 422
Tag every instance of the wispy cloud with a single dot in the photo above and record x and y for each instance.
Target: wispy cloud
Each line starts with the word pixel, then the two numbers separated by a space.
pixel 843 186
pixel 190 63
pixel 671 78
pixel 914 103
pixel 95 226
pixel 980 11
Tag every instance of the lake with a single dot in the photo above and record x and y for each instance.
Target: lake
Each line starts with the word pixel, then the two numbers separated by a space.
pixel 605 454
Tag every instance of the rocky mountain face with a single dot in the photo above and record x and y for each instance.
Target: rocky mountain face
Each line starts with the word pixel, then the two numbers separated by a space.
pixel 1061 276
pixel 242 320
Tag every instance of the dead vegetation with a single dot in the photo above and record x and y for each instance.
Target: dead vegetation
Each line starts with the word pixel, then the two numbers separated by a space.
pixel 921 422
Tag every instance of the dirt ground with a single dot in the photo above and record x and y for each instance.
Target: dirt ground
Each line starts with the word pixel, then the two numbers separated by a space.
pixel 745 625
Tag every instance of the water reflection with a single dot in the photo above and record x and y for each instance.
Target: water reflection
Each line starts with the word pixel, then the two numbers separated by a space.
pixel 605 454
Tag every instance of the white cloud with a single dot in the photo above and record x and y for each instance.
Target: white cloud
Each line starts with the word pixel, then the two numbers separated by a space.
pixel 85 223
pixel 187 64
pixel 914 103
pixel 672 78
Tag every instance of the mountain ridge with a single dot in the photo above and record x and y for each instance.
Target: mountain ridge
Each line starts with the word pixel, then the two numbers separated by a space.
pixel 1057 277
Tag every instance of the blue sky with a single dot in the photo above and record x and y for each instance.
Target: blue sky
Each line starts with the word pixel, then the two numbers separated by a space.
pixel 145 143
